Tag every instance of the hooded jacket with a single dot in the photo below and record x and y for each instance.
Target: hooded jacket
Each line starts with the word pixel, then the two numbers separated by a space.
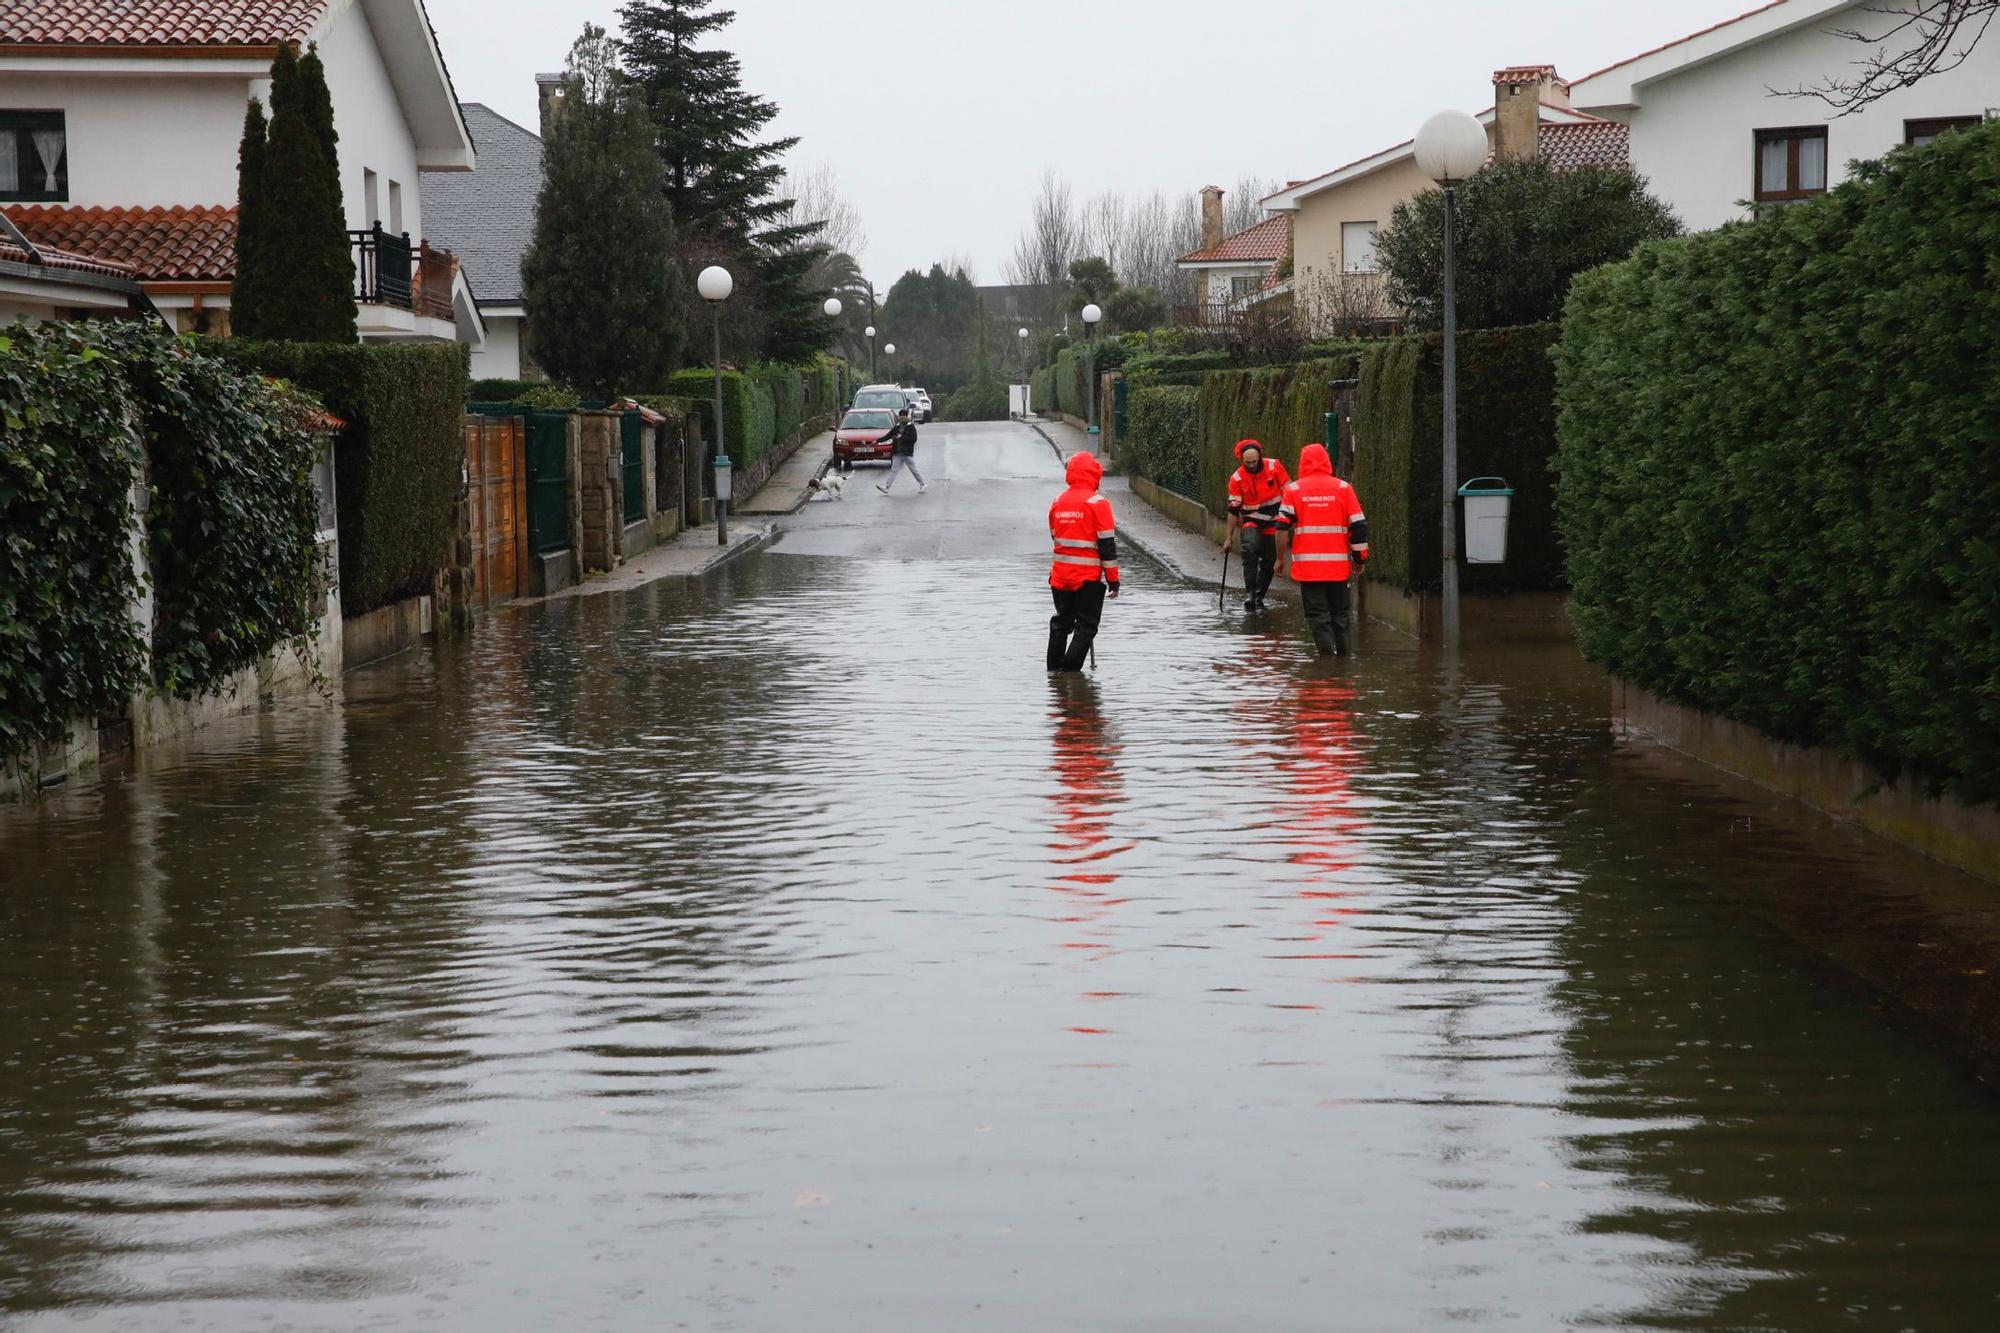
pixel 1329 531
pixel 1256 496
pixel 1083 530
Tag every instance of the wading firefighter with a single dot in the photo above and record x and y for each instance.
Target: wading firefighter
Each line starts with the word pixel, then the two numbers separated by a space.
pixel 1085 569
pixel 1256 493
pixel 1326 536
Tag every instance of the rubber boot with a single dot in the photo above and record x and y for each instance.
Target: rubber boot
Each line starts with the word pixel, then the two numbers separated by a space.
pixel 1058 644
pixel 1079 649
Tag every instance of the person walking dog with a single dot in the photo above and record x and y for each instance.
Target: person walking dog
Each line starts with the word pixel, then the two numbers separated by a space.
pixel 902 453
pixel 1326 544
pixel 1085 568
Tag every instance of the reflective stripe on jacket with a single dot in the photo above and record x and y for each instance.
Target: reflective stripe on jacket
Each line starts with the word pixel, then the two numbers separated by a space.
pixel 1082 529
pixel 1256 497
pixel 1323 514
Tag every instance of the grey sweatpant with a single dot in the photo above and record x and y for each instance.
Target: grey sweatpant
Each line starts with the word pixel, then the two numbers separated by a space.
pixel 897 464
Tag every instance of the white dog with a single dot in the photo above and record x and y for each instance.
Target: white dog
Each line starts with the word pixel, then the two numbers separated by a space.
pixel 832 486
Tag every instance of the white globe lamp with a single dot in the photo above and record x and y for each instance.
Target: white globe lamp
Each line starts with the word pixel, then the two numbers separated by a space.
pixel 1451 147
pixel 715 284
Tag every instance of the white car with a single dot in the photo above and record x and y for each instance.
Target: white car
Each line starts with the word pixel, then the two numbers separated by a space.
pixel 920 404
pixel 880 395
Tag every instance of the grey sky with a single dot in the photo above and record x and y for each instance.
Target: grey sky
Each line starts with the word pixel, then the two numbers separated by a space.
pixel 939 115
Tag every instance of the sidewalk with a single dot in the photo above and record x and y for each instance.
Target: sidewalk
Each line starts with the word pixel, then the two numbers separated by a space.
pixel 785 489
pixel 691 555
pixel 1186 555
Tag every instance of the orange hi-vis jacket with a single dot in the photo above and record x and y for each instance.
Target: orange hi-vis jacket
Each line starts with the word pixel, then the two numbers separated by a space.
pixel 1085 534
pixel 1255 497
pixel 1323 514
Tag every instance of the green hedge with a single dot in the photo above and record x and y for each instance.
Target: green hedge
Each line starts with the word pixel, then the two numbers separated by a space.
pixel 1781 474
pixel 1283 407
pixel 501 390
pixel 400 462
pixel 749 416
pixel 1165 425
pixel 1186 369
pixel 975 402
pixel 1506 428
pixel 787 387
pixel 1042 390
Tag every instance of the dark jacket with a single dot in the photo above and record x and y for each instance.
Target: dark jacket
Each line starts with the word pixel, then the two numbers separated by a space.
pixel 904 438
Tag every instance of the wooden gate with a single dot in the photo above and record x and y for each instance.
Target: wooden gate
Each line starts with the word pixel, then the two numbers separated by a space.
pixel 497 506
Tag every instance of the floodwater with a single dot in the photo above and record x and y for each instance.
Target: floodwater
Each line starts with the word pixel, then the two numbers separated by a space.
pixel 789 952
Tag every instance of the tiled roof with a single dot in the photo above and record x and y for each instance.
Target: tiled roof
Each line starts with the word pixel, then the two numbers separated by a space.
pixel 159 244
pixel 157 23
pixel 60 259
pixel 487 216
pixel 1520 74
pixel 1265 243
pixel 1604 143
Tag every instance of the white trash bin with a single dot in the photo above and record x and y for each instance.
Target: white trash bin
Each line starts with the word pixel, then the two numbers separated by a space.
pixel 1487 503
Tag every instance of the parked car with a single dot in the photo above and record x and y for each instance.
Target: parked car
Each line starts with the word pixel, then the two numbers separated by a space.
pixel 863 436
pixel 920 404
pixel 880 395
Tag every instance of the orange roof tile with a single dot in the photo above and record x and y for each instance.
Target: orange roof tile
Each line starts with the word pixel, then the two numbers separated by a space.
pixel 1603 143
pixel 155 244
pixel 1266 243
pixel 62 259
pixel 157 23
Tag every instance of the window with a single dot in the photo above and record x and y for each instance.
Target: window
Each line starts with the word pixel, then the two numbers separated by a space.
pixel 371 197
pixel 1791 164
pixel 1357 246
pixel 395 208
pixel 1923 133
pixel 1242 287
pixel 34 157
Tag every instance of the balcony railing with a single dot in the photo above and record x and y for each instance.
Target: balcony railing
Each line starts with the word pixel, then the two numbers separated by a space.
pixel 390 270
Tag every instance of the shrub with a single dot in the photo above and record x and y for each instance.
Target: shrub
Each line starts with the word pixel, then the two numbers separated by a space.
pixel 748 414
pixel 787 388
pixel 1506 428
pixel 1186 369
pixel 1165 429
pixel 1780 490
pixel 401 456
pixel 500 390
pixel 1042 390
pixel 976 402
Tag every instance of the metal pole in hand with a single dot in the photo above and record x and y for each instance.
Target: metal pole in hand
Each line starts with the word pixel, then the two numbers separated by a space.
pixel 1449 506
pixel 1222 593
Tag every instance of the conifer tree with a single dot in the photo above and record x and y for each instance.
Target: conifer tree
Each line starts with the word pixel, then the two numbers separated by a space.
pixel 602 291
pixel 247 300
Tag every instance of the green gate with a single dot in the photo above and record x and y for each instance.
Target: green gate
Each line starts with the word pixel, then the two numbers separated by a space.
pixel 548 481
pixel 1120 424
pixel 633 464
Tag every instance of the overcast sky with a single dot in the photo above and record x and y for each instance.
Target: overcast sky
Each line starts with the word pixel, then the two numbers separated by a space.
pixel 940 115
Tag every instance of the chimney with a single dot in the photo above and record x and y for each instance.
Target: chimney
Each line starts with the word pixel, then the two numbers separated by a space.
pixel 1519 92
pixel 548 91
pixel 1211 216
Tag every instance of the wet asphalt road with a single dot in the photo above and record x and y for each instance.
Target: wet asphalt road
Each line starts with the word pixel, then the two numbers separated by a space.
pixel 789 951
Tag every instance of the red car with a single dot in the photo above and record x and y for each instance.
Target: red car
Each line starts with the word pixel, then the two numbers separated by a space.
pixel 863 436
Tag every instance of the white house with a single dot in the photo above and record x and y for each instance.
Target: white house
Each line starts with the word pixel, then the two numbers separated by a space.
pixel 1230 272
pixel 1712 128
pixel 120 123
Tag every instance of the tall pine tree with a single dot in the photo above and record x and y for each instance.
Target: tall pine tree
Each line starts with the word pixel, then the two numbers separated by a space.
pixel 722 181
pixel 599 281
pixel 247 298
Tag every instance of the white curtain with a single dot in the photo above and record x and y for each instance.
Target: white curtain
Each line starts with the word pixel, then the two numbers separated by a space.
pixel 1812 162
pixel 49 147
pixel 1776 177
pixel 10 162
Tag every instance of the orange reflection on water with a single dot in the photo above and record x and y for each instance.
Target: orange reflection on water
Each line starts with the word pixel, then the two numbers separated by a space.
pixel 1088 788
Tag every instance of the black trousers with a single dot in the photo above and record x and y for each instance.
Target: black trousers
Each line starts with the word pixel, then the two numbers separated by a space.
pixel 1326 615
pixel 1260 560
pixel 1073 627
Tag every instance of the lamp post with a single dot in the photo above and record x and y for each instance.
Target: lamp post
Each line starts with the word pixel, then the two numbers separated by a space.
pixel 1450 148
pixel 715 284
pixel 832 311
pixel 1091 314
pixel 1021 341
pixel 870 332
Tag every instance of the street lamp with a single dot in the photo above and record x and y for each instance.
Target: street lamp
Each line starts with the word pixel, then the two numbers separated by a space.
pixel 715 284
pixel 870 332
pixel 1091 314
pixel 1021 340
pixel 1450 148
pixel 832 310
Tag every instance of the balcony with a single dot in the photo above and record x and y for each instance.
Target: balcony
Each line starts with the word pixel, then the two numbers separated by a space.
pixel 394 275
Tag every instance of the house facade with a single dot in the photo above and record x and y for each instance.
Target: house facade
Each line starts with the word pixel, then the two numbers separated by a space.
pixel 1232 273
pixel 120 122
pixel 1337 217
pixel 1715 133
pixel 487 218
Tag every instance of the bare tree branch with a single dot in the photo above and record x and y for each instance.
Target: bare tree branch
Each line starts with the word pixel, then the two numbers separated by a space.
pixel 1926 37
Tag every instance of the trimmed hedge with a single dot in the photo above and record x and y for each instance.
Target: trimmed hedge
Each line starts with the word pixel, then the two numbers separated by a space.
pixel 401 458
pixel 749 417
pixel 787 387
pixel 985 401
pixel 1780 473
pixel 1506 428
pixel 1283 407
pixel 1165 425
pixel 1183 369
pixel 501 390
pixel 1042 390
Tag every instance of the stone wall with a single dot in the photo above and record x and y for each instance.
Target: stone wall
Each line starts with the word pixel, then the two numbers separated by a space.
pixel 598 489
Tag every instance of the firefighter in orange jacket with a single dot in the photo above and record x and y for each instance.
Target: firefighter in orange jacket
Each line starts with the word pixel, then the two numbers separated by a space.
pixel 1256 493
pixel 1326 541
pixel 1085 570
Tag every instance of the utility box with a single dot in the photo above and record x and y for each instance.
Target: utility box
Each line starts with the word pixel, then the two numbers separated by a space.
pixel 1018 405
pixel 1488 502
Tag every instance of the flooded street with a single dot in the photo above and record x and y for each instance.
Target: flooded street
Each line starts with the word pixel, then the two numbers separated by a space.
pixel 790 952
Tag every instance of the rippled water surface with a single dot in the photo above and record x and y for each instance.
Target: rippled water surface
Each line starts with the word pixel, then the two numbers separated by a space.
pixel 789 952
